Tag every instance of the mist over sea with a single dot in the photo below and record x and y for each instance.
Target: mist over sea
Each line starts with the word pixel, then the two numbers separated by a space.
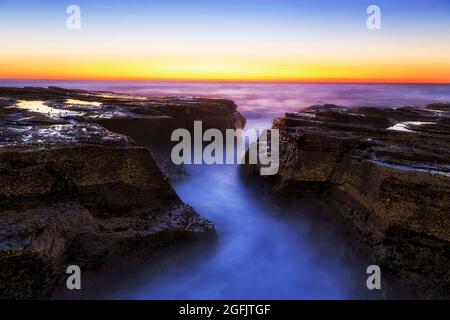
pixel 265 250
pixel 262 102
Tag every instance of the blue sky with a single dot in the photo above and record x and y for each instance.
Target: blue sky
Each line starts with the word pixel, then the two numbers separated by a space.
pixel 314 32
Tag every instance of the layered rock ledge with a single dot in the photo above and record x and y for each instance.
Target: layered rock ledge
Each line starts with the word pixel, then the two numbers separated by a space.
pixel 385 171
pixel 73 192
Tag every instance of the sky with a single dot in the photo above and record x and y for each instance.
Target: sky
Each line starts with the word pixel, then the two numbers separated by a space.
pixel 233 40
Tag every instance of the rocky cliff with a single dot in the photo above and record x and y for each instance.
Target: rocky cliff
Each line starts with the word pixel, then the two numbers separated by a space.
pixel 73 192
pixel 385 171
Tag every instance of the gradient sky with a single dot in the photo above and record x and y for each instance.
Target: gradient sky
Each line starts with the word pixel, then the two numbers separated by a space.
pixel 255 40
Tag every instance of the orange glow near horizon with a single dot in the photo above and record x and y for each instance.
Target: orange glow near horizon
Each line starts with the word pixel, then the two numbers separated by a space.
pixel 255 71
pixel 254 41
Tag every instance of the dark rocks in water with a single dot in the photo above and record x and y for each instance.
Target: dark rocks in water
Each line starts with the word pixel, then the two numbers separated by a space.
pixel 74 192
pixel 385 171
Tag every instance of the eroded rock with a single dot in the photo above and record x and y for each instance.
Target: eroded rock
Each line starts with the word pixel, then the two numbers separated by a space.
pixel 387 172
pixel 74 192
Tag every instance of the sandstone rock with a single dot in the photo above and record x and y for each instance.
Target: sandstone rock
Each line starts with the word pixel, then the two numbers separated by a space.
pixel 149 121
pixel 160 112
pixel 387 172
pixel 74 192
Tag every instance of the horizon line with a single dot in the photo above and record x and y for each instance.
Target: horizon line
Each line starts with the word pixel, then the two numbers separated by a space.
pixel 328 81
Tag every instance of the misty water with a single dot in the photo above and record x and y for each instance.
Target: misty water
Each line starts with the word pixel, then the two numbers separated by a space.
pixel 265 249
pixel 262 251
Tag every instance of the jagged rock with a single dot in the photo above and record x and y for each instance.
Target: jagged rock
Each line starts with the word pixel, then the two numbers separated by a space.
pixel 386 171
pixel 74 192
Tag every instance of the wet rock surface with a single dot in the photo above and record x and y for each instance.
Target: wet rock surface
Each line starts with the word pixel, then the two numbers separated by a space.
pixel 387 173
pixel 149 121
pixel 96 106
pixel 74 192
